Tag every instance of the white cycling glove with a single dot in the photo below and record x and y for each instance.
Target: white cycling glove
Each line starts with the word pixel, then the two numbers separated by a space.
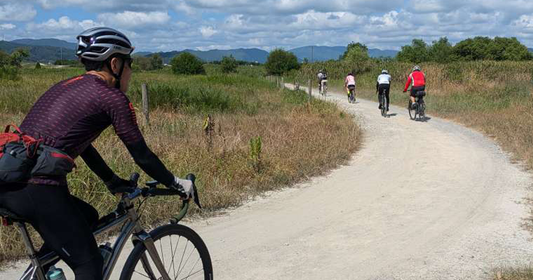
pixel 185 187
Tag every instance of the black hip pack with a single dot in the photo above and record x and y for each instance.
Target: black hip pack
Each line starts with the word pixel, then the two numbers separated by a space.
pixel 23 157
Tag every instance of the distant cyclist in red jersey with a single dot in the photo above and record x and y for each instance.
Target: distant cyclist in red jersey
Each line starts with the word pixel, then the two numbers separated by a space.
pixel 417 81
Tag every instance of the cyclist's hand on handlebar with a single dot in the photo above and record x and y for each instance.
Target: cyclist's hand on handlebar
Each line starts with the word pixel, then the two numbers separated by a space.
pixel 184 187
pixel 118 185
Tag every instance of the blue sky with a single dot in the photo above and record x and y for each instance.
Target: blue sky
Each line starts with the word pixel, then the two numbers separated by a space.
pixel 163 25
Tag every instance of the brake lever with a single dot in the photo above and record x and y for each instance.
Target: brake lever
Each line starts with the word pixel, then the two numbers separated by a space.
pixel 192 178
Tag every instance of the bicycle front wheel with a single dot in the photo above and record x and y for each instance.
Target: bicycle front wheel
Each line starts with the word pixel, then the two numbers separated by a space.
pixel 182 252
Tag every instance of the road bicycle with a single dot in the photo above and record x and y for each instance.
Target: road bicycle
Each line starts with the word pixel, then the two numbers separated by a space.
pixel 323 87
pixel 418 111
pixel 351 95
pixel 171 251
pixel 383 103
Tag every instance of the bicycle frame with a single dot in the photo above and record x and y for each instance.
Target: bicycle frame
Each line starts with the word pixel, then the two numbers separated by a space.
pixel 127 219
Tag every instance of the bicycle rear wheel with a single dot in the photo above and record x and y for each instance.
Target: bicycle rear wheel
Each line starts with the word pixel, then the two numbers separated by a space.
pixel 181 250
pixel 383 102
pixel 412 112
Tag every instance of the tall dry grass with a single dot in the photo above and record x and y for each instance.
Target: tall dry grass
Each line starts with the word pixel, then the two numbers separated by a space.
pixel 243 107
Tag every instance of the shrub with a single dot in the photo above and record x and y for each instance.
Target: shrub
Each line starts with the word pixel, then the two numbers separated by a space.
pixel 280 62
pixel 156 62
pixel 356 52
pixel 37 65
pixel 229 64
pixel 187 64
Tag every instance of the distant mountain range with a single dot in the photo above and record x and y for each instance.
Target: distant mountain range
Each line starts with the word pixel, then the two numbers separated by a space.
pixel 40 53
pixel 311 53
pixel 50 50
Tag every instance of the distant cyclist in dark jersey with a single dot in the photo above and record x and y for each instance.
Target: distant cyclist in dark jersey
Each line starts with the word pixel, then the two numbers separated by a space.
pixel 69 117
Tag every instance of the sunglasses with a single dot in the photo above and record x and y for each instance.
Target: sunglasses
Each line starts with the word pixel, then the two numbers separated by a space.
pixel 128 61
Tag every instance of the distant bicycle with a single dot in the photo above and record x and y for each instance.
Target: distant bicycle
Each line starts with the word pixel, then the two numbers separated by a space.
pixel 351 94
pixel 323 87
pixel 170 251
pixel 417 111
pixel 384 105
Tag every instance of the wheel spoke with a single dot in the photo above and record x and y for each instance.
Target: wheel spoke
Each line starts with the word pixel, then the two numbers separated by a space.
pixel 162 253
pixel 196 272
pixel 190 272
pixel 180 268
pixel 182 255
pixel 142 274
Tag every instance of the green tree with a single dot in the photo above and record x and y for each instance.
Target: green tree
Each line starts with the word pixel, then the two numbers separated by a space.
pixel 355 52
pixel 156 62
pixel 415 53
pixel 187 64
pixel 484 48
pixel 441 51
pixel 478 48
pixel 5 59
pixel 509 49
pixel 18 56
pixel 228 64
pixel 142 63
pixel 280 62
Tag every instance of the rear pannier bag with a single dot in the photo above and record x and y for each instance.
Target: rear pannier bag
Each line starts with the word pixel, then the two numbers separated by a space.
pixel 421 94
pixel 52 162
pixel 18 153
pixel 23 157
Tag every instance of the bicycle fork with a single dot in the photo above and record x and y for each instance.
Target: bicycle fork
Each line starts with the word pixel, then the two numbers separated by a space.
pixel 148 242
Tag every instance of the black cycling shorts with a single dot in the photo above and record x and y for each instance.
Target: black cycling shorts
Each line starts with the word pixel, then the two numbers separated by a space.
pixel 384 89
pixel 64 222
pixel 351 87
pixel 414 90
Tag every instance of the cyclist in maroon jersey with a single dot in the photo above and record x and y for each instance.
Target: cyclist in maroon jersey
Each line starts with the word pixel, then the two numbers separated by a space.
pixel 69 117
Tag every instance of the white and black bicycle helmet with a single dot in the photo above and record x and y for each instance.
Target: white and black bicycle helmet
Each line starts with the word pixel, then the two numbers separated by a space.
pixel 384 71
pixel 100 43
pixel 416 68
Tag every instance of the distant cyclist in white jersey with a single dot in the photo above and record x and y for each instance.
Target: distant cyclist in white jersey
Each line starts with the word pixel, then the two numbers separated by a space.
pixel 383 87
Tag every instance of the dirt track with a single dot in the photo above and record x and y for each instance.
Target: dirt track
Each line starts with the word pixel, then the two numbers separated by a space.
pixel 420 200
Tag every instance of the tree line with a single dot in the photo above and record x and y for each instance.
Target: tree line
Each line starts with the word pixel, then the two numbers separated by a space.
pixel 478 48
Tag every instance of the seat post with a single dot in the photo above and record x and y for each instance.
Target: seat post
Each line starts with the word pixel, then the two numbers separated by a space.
pixel 37 268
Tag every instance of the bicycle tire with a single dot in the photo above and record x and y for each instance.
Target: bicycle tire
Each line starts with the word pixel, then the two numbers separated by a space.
pixel 180 231
pixel 412 112
pixel 383 105
pixel 422 110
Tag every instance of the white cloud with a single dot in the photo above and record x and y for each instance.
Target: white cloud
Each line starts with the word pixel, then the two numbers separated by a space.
pixel 129 19
pixel 7 26
pixel 201 24
pixel 64 23
pixel 17 12
pixel 207 31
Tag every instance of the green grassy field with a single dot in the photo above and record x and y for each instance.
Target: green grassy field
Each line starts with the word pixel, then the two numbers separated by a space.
pixel 244 106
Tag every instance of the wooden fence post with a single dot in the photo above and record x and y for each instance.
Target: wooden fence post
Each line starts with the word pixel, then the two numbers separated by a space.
pixel 282 85
pixel 310 90
pixel 146 109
